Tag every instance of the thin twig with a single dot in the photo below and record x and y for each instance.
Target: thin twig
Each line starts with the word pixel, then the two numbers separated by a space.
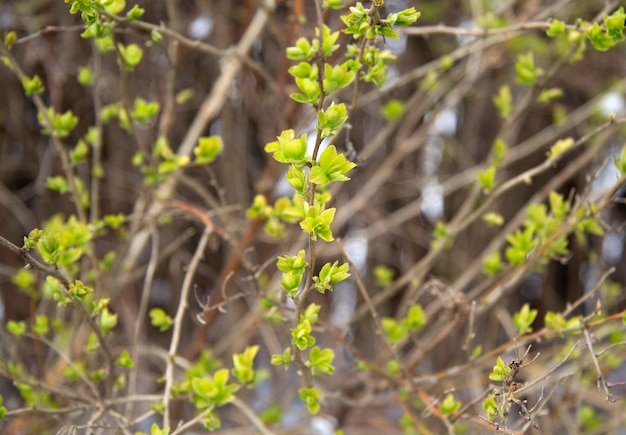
pixel 178 321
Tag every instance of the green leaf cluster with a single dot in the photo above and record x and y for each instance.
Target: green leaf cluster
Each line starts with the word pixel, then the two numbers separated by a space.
pixel 321 361
pixel 160 319
pixel 62 242
pixel 440 235
pixel 124 360
pixel 383 275
pixel 503 101
pixel 208 149
pixel 79 290
pixel 556 321
pixel 293 268
pixel 330 274
pixel 307 50
pixel 32 85
pixel 539 230
pixel 301 334
pixel 144 111
pixel 57 124
pixel 527 72
pixel 284 210
pixel 332 167
pixel 603 37
pixel 108 321
pixel 130 55
pixel 449 404
pixel 171 162
pixel 243 364
pixel 399 330
pixel 367 22
pixel 289 149
pixel 214 391
pixel 375 59
pixel 33 397
pixel 310 397
pixel 500 371
pixel 524 318
pixel 490 407
pixel 17 328
pixel 283 360
pixel 331 119
pixel 317 222
pixel 392 109
pixel 487 178
pixel 560 147
pixel 338 77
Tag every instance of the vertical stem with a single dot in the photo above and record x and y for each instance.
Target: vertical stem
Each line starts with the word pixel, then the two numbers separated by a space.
pixel 178 321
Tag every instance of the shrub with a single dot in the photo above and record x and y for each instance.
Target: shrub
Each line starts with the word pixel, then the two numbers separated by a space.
pixel 347 216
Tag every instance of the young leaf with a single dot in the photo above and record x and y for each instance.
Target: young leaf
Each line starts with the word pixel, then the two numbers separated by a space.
pixel 490 407
pixel 395 331
pixel 318 223
pixel 614 24
pixel 311 313
pixel 108 321
pixel 131 55
pixel 16 328
pixel 383 275
pixel 486 178
pixel 321 361
pixel 524 318
pixel 393 109
pixel 449 405
pixel 288 148
pixel 493 219
pixel 160 319
pixel 282 360
pixel 415 318
pixel 599 37
pixel 144 111
pixel 503 101
pixel 32 85
pixel 556 28
pixel 493 264
pixel 125 361
pixel 135 13
pixel 331 167
pixel 41 326
pixel 243 364
pixel 329 40
pixel 548 95
pixel 302 50
pixel 330 274
pixel 301 335
pixel 208 149
pixel 293 264
pixel 310 397
pixel 527 72
pixel 297 179
pixel 560 147
pixel 215 391
pixel 331 119
pixel 500 371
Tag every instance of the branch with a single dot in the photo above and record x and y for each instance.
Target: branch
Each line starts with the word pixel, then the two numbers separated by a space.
pixel 178 321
